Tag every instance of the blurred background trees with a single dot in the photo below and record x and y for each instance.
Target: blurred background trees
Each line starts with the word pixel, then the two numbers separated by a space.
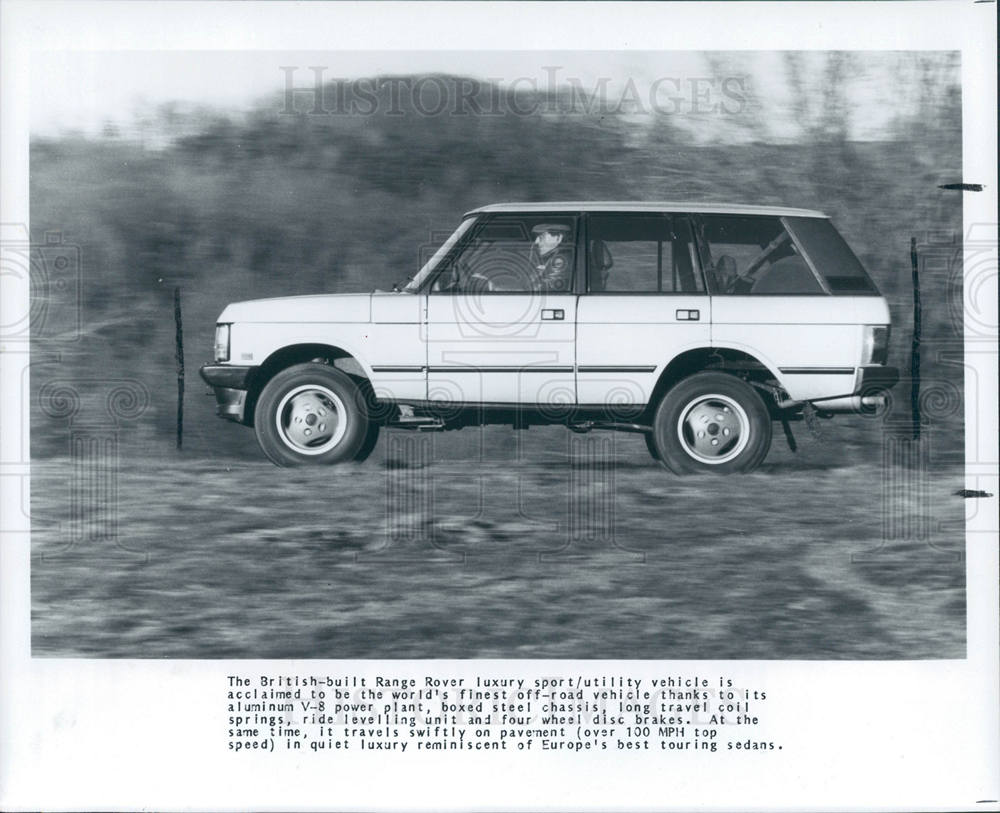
pixel 265 203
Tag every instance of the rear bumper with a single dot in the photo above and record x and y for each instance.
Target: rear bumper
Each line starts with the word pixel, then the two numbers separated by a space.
pixel 230 384
pixel 873 380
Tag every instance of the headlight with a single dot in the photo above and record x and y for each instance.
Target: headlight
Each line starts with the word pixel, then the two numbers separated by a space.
pixel 222 341
pixel 875 348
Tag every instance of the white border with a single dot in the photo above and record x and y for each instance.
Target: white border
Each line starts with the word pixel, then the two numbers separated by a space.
pixel 105 734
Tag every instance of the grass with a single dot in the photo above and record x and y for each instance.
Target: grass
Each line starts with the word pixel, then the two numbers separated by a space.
pixel 523 550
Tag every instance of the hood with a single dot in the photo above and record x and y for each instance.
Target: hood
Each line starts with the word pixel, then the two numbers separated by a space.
pixel 315 308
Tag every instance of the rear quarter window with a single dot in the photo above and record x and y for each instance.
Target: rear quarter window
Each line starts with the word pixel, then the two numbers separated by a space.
pixel 830 256
pixel 753 255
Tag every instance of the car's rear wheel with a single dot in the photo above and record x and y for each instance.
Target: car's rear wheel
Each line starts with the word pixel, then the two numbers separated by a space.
pixel 311 414
pixel 712 422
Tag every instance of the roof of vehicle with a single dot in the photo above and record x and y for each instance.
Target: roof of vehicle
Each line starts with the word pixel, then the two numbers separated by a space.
pixel 645 206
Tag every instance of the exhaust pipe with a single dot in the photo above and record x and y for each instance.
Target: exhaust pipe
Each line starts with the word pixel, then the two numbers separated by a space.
pixel 864 404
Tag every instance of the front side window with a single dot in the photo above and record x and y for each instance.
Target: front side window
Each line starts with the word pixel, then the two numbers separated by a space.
pixel 641 253
pixel 514 254
pixel 753 254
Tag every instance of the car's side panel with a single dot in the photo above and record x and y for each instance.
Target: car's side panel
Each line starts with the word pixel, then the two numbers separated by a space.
pixel 340 308
pixel 624 341
pixel 870 310
pixel 811 343
pixel 396 346
pixel 255 342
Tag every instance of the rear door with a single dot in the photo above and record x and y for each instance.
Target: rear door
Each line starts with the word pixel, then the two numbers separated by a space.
pixel 645 303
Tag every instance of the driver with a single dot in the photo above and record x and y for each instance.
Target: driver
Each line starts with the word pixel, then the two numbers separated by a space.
pixel 554 265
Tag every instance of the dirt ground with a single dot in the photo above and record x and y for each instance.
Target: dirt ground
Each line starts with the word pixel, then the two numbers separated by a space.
pixel 495 544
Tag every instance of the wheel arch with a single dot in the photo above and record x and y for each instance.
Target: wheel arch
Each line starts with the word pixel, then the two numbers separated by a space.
pixel 293 354
pixel 720 359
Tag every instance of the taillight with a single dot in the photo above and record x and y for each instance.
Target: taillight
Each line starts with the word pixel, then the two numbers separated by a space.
pixel 875 348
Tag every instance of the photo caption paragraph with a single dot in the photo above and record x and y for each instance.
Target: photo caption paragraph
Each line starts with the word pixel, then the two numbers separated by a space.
pixel 320 713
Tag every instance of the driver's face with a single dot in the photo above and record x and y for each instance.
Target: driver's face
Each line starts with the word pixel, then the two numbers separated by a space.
pixel 546 242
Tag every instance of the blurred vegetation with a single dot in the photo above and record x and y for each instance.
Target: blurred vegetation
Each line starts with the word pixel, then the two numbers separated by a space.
pixel 233 207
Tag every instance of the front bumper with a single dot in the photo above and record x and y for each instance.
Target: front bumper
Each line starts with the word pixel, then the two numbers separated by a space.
pixel 230 384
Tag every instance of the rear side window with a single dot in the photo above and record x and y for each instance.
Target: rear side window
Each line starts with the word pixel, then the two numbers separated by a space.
pixel 640 253
pixel 830 255
pixel 753 254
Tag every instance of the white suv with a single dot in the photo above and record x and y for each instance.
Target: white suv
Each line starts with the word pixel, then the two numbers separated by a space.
pixel 695 324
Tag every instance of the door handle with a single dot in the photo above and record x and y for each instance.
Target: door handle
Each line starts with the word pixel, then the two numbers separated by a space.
pixel 685 315
pixel 553 314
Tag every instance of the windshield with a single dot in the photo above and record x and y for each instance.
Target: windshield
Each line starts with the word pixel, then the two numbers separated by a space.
pixel 428 268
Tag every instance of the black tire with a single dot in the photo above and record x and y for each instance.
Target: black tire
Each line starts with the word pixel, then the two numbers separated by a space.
pixel 369 444
pixel 651 445
pixel 311 414
pixel 712 423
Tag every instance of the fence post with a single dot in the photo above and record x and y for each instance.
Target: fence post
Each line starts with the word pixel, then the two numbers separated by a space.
pixel 915 345
pixel 180 366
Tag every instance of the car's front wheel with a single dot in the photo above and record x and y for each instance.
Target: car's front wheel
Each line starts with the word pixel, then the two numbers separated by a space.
pixel 311 414
pixel 712 422
pixel 651 446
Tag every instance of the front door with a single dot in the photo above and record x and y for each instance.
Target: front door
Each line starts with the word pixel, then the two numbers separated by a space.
pixel 501 315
